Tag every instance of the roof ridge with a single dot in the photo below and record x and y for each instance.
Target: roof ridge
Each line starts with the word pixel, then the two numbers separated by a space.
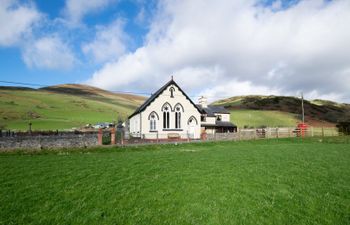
pixel 157 93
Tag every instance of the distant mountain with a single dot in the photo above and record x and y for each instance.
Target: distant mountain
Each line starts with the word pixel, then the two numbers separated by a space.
pixel 96 94
pixel 317 112
pixel 62 106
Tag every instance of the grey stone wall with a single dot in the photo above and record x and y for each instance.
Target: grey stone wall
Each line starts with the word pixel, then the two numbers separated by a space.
pixel 222 136
pixel 49 142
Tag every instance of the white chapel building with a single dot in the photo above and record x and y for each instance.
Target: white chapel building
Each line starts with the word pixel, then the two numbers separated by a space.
pixel 171 113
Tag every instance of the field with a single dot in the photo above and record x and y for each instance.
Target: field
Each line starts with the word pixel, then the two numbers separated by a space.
pixel 317 112
pixel 48 110
pixel 262 182
pixel 259 118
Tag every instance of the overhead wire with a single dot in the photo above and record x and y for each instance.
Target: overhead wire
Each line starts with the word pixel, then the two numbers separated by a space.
pixel 113 91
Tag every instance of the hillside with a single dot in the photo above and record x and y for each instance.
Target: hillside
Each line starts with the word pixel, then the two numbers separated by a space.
pixel 62 107
pixel 264 108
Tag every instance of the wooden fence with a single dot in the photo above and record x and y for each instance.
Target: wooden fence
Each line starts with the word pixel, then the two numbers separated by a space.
pixel 284 132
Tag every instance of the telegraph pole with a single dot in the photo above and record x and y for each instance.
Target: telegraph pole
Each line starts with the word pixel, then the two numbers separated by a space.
pixel 302 106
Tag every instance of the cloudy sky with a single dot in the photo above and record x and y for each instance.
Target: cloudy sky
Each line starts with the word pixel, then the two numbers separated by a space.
pixel 216 48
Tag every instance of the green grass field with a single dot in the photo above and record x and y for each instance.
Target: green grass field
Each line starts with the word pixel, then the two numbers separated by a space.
pixel 51 111
pixel 258 118
pixel 261 182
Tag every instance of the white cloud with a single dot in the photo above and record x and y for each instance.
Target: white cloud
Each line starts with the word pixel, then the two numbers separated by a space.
pixel 304 47
pixel 329 96
pixel 16 21
pixel 109 43
pixel 236 88
pixel 75 10
pixel 48 53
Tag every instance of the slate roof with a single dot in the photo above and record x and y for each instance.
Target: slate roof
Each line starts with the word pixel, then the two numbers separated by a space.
pixel 220 124
pixel 211 110
pixel 224 124
pixel 155 95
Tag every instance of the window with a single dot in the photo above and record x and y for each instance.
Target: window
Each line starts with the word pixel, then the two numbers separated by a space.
pixel 203 118
pixel 153 123
pixel 218 118
pixel 172 90
pixel 192 121
pixel 177 117
pixel 153 117
pixel 166 117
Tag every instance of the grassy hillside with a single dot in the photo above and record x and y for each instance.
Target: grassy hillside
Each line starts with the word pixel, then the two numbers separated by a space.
pixel 62 107
pixel 261 182
pixel 283 110
pixel 258 118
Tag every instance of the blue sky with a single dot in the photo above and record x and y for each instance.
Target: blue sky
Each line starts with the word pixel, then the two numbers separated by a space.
pixel 13 68
pixel 214 48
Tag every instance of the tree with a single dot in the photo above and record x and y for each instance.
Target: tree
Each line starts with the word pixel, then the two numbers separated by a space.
pixel 344 127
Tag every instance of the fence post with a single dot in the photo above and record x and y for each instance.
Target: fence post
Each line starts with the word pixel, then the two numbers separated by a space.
pixel 277 135
pixel 255 134
pixel 289 135
pixel 99 136
pixel 157 137
pixel 322 132
pixel 122 134
pixel 113 136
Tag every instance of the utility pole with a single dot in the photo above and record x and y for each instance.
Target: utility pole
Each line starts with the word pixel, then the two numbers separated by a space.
pixel 302 106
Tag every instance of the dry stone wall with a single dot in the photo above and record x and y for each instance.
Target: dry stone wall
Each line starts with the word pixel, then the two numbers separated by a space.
pixel 49 142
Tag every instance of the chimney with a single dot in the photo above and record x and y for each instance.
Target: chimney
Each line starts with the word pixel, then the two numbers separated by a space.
pixel 203 102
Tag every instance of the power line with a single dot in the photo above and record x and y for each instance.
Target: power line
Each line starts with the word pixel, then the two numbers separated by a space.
pixel 26 84
pixel 130 92
pixel 47 85
pixel 113 91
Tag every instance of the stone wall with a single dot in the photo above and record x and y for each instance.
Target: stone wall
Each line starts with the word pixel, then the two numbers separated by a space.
pixel 221 136
pixel 70 140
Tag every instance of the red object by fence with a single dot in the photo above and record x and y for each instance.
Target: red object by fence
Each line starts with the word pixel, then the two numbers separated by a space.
pixel 302 129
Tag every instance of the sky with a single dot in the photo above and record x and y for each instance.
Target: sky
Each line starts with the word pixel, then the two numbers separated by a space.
pixel 216 48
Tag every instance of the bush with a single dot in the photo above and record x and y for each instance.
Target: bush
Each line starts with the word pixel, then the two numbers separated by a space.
pixel 344 127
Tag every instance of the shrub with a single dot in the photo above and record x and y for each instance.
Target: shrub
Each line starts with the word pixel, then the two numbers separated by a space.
pixel 344 127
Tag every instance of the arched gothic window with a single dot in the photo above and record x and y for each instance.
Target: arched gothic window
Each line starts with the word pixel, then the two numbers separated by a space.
pixel 179 107
pixel 192 120
pixel 153 117
pixel 166 116
pixel 177 117
pixel 172 90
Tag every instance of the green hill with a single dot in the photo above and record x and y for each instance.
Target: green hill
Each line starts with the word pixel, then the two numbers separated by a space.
pixel 266 118
pixel 257 111
pixel 62 107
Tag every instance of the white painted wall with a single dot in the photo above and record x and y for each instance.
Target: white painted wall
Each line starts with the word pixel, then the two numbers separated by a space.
pixel 209 120
pixel 135 125
pixel 224 116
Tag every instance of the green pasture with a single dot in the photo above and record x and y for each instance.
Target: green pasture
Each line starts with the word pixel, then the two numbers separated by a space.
pixel 259 118
pixel 255 182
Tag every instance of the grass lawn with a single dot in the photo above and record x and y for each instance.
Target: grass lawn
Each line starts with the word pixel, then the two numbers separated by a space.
pixel 261 182
pixel 258 118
